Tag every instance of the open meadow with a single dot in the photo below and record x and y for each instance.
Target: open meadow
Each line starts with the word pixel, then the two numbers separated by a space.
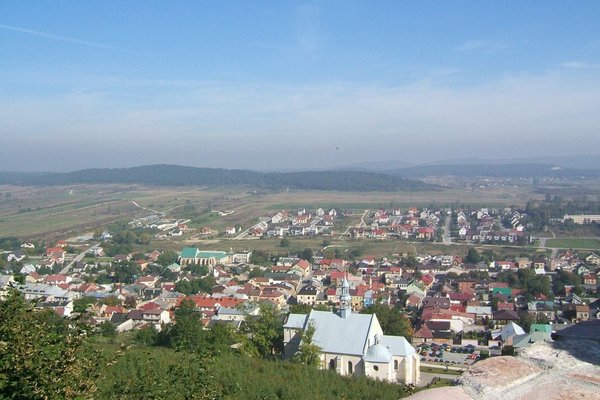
pixel 574 243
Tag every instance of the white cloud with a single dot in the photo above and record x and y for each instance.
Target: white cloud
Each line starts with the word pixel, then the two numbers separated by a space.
pixel 261 125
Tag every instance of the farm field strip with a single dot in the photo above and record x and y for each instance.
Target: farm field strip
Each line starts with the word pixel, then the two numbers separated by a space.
pixel 574 243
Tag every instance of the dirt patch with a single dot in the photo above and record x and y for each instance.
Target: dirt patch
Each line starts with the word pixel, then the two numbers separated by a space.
pixel 549 371
pixel 588 378
pixel 443 393
pixel 498 372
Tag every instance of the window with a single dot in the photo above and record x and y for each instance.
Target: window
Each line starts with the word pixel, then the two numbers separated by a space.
pixel 396 365
pixel 375 367
pixel 350 371
pixel 332 364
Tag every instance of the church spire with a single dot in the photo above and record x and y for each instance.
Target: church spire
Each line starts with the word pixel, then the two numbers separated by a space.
pixel 345 300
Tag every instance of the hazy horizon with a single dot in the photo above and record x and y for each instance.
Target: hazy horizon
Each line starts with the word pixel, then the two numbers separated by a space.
pixel 295 85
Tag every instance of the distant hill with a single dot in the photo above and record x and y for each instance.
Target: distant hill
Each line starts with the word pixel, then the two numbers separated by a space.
pixel 374 166
pixel 581 162
pixel 494 170
pixel 174 175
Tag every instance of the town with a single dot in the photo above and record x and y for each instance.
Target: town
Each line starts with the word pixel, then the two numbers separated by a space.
pixel 292 200
pixel 449 310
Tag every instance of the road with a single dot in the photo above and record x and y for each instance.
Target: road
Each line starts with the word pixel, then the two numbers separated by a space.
pixel 77 258
pixel 242 236
pixel 446 238
pixel 543 246
pixel 362 219
pixel 135 203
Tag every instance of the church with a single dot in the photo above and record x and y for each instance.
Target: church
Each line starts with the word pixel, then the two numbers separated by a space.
pixel 354 344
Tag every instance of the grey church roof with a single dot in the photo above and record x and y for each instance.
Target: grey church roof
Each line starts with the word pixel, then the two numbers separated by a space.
pixel 296 321
pixel 229 311
pixel 334 334
pixel 397 345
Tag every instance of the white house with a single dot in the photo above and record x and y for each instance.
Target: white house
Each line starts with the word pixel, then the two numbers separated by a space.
pixel 354 344
pixel 6 281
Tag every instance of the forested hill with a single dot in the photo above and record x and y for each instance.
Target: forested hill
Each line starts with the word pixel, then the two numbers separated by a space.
pixel 494 170
pixel 173 175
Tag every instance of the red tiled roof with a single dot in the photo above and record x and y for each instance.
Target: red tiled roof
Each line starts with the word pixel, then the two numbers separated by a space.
pixel 53 250
pixel 427 279
pixel 458 308
pixel 305 265
pixel 208 302
pixel 461 296
pixel 423 333
pixel 113 309
pixel 55 278
pixel 149 306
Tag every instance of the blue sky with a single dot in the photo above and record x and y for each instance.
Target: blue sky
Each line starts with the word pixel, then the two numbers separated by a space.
pixel 279 85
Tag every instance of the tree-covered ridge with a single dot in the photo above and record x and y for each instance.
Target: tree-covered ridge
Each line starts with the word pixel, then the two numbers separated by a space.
pixel 173 175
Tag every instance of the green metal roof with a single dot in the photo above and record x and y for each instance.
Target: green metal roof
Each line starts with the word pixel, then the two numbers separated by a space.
pixel 504 291
pixel 212 254
pixel 189 252
pixel 540 328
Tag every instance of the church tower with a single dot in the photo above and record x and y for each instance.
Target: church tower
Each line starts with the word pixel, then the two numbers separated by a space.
pixel 345 300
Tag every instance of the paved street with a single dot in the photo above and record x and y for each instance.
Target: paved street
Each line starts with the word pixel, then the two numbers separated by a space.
pixel 77 258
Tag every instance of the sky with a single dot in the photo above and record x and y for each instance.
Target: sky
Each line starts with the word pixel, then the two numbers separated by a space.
pixel 279 85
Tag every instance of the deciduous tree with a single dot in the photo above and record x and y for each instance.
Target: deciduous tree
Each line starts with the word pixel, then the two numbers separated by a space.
pixel 42 356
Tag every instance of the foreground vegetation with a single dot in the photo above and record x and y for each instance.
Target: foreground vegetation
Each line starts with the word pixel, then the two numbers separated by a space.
pixel 148 373
pixel 44 356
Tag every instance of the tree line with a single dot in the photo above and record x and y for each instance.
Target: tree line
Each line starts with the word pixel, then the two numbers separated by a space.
pixel 173 175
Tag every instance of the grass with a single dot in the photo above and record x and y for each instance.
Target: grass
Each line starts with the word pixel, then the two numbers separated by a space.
pixel 70 210
pixel 440 371
pixel 443 198
pixel 573 243
pixel 368 247
pixel 440 382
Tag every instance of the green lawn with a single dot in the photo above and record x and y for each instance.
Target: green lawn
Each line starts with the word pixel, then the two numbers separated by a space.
pixel 574 243
pixel 441 371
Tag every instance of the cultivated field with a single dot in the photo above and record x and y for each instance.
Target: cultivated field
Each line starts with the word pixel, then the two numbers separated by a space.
pixel 574 243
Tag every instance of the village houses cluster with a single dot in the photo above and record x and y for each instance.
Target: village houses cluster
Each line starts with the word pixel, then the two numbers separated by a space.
pixel 487 225
pixel 452 304
pixel 413 223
